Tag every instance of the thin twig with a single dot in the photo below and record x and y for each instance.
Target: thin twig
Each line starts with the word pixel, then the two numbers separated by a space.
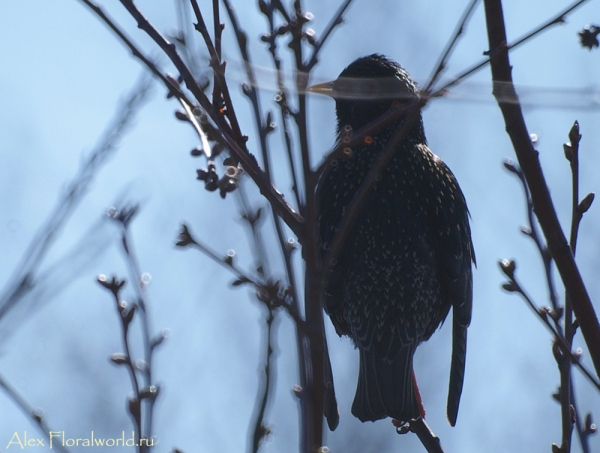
pixel 186 239
pixel 533 233
pixel 258 427
pixel 543 314
pixel 290 217
pixel 221 87
pixel 582 434
pixel 252 219
pixel 35 414
pixel 191 117
pixel 441 64
pixel 134 49
pixel 281 8
pixel 218 75
pixel 467 72
pixel 217 28
pixel 125 313
pixel 572 154
pixel 566 390
pixel 336 20
pixel 136 277
pixel 558 19
pixel 19 284
pixel 284 108
pixel 188 43
pixel 252 94
pixel 250 89
pixel 311 343
pixel 293 307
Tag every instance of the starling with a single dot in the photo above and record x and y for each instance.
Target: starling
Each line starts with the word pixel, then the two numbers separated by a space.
pixel 407 257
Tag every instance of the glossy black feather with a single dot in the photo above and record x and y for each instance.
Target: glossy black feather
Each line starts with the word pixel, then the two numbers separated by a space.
pixel 407 259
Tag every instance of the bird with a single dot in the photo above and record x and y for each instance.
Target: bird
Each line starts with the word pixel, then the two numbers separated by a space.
pixel 407 258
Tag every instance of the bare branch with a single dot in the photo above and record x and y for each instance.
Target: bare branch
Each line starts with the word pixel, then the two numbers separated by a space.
pixel 544 209
pixel 290 217
pixel 221 87
pixel 36 414
pixel 441 64
pixel 429 440
pixel 533 233
pixel 19 285
pixel 464 74
pixel 543 314
pixel 258 427
pixel 135 50
pixel 334 22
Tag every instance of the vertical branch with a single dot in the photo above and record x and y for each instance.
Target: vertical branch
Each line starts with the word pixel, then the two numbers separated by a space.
pixel 533 233
pixel 258 428
pixel 566 388
pixel 218 28
pixel 334 22
pixel 126 313
pixel 145 392
pixel 150 391
pixel 216 62
pixel 566 407
pixel 578 208
pixel 313 395
pixel 251 91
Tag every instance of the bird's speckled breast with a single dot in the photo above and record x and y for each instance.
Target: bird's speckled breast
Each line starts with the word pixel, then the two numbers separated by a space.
pixel 384 288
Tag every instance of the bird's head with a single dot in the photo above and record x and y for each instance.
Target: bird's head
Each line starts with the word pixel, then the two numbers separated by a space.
pixel 367 89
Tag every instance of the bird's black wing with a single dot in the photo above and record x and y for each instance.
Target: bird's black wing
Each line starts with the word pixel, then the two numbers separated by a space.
pixel 331 211
pixel 454 252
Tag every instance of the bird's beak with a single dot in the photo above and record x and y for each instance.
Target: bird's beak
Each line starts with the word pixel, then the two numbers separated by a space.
pixel 325 88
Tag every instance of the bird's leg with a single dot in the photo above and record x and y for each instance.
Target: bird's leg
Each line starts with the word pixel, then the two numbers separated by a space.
pixel 403 427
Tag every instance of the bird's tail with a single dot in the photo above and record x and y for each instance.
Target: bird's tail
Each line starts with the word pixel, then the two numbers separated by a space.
pixel 385 388
pixel 457 370
pixel 331 408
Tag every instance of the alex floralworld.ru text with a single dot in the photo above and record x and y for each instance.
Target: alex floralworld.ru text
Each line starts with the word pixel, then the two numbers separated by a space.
pixel 22 441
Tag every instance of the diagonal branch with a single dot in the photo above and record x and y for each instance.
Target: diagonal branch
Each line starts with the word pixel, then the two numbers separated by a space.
pixel 558 19
pixel 335 21
pixel 276 198
pixel 441 65
pixel 36 414
pixel 543 314
pixel 429 440
pixel 134 49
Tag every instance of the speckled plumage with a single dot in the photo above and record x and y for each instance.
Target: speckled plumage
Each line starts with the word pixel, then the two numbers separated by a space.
pixel 407 259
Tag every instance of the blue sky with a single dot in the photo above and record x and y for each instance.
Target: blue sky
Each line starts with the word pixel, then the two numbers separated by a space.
pixel 63 77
